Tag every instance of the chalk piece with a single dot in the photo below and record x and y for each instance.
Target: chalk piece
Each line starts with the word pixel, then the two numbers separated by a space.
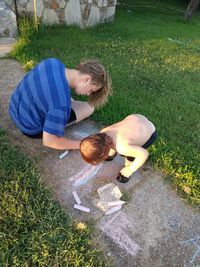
pixel 112 210
pixel 76 197
pixel 64 154
pixel 116 203
pixel 82 208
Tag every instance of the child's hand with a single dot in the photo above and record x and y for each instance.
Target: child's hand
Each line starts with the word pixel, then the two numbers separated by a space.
pixel 126 171
pixel 124 175
pixel 111 157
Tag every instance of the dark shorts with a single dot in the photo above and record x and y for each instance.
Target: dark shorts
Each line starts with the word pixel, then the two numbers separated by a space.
pixel 147 144
pixel 72 118
pixel 151 140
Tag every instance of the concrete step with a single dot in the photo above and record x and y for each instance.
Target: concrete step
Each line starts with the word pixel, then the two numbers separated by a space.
pixel 6 45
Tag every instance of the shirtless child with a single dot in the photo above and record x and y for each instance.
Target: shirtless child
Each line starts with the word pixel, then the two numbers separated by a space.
pixel 129 137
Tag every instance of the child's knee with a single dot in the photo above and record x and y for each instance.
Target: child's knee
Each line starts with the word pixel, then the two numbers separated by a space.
pixel 90 110
pixel 87 110
pixel 83 111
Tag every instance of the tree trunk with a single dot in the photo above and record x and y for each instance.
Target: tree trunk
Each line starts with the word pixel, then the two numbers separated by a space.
pixel 191 8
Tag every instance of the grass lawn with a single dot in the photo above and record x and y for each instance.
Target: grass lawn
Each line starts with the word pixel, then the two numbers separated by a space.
pixel 34 230
pixel 153 58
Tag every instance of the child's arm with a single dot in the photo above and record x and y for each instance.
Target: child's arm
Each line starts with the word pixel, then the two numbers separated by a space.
pixel 56 142
pixel 140 154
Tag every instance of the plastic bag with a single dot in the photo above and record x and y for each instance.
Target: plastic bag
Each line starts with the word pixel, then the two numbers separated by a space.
pixel 108 193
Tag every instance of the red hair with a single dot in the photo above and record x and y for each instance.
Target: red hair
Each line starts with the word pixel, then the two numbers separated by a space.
pixel 95 148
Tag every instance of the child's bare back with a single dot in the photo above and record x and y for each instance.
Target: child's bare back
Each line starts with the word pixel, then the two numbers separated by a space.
pixel 135 129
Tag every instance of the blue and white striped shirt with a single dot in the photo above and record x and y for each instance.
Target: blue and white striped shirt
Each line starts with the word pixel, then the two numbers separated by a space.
pixel 41 101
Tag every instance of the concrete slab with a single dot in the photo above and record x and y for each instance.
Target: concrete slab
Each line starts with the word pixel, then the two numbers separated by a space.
pixel 154 228
pixel 6 45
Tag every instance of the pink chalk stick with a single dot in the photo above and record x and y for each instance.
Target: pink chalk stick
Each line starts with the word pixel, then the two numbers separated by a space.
pixel 82 208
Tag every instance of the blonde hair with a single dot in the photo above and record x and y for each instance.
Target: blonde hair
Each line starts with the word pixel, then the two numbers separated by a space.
pixel 95 148
pixel 100 78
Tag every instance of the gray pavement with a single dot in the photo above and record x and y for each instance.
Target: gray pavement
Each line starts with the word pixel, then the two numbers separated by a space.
pixel 154 228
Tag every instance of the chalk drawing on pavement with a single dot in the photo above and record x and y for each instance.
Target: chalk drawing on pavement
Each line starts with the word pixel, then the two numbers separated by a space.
pixel 196 243
pixel 116 230
pixel 86 174
pixel 80 134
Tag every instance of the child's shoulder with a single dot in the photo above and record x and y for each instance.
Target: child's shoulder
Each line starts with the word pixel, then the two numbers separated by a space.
pixel 129 116
pixel 135 116
pixel 52 60
pixel 50 63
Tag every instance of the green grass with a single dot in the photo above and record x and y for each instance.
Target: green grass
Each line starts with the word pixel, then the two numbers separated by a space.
pixel 158 4
pixel 153 58
pixel 34 230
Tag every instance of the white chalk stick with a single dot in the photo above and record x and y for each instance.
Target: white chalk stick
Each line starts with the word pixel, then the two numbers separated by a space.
pixel 64 154
pixel 82 208
pixel 76 197
pixel 113 209
pixel 115 203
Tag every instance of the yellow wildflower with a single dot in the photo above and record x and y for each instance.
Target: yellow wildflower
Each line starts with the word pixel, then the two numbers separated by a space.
pixel 81 226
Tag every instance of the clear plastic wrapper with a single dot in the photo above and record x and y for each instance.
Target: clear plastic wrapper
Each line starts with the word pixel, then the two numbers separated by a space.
pixel 109 198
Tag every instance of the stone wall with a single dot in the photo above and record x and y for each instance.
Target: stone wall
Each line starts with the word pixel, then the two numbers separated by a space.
pixel 84 13
pixel 8 25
